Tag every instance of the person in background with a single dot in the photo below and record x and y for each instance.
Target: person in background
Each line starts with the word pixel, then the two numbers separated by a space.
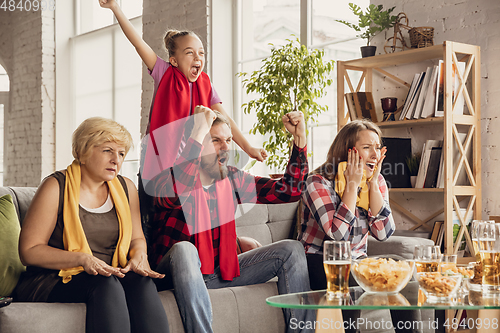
pixel 195 244
pixel 179 86
pixel 82 238
pixel 345 199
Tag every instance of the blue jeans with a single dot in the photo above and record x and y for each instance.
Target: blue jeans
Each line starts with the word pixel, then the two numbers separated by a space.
pixel 181 266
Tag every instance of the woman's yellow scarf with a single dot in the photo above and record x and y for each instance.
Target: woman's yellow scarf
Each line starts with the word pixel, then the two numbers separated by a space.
pixel 73 235
pixel 363 199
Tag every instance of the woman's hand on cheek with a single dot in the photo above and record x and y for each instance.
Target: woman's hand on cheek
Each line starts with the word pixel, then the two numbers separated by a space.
pixel 376 173
pixel 354 170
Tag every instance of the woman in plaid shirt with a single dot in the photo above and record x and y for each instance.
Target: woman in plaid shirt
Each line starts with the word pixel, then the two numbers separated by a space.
pixel 345 199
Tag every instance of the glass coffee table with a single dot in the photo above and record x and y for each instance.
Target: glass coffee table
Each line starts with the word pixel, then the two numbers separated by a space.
pixel 408 299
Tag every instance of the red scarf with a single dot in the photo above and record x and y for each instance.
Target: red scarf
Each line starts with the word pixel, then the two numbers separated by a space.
pixel 200 219
pixel 170 112
pixel 166 129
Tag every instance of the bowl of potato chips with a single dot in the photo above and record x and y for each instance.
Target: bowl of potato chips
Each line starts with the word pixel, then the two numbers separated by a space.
pixel 382 274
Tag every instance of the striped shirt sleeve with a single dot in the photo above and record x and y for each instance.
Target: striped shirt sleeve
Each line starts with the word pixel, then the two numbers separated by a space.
pixel 329 211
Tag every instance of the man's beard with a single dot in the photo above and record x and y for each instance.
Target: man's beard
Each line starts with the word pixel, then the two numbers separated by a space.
pixel 210 164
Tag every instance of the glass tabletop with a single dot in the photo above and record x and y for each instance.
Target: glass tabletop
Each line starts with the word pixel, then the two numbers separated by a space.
pixel 407 299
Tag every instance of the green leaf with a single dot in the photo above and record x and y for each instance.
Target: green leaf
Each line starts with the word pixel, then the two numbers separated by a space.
pixel 290 79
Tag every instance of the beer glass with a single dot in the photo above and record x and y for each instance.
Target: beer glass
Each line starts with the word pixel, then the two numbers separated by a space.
pixel 489 249
pixel 427 258
pixel 337 263
pixel 448 263
pixel 473 235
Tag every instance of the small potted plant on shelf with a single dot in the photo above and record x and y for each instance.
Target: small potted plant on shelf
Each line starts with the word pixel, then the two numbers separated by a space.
pixel 413 163
pixel 292 78
pixel 370 22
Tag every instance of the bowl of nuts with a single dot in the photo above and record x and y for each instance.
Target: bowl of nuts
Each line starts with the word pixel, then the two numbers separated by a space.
pixel 439 286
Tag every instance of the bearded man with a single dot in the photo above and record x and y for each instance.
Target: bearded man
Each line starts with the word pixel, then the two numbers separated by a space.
pixel 195 243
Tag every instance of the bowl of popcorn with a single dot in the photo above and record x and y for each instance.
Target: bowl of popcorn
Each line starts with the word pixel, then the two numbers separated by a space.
pixel 439 286
pixel 382 274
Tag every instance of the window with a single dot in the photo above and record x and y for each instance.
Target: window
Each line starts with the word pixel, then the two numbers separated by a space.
pixel 107 72
pixel 272 21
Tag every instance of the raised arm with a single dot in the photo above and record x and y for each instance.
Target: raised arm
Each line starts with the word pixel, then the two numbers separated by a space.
pixel 289 188
pixel 258 153
pixel 174 185
pixel 146 53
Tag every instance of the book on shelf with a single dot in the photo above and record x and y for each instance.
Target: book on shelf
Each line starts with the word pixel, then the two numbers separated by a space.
pixel 439 107
pixel 413 101
pixel 423 93
pixel 394 168
pixel 363 104
pixel 351 108
pixel 440 238
pixel 430 98
pixel 433 168
pixel 435 231
pixel 440 178
pixel 409 96
pixel 424 161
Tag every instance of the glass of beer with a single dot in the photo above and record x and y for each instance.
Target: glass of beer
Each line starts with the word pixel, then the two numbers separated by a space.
pixel 427 258
pixel 448 263
pixel 489 248
pixel 337 263
pixel 473 235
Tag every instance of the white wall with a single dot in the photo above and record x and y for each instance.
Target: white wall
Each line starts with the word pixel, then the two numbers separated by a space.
pixel 27 50
pixel 474 22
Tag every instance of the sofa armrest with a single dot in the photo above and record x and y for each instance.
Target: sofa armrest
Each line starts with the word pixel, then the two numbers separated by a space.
pixel 399 245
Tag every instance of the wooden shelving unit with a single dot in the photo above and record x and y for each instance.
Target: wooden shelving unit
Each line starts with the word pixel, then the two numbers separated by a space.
pixel 453 194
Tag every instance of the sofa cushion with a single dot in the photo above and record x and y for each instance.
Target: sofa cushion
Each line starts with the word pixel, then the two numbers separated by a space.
pixel 42 318
pixel 10 264
pixel 400 245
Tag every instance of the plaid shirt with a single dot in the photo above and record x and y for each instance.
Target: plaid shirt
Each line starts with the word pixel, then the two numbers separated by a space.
pixel 173 200
pixel 326 217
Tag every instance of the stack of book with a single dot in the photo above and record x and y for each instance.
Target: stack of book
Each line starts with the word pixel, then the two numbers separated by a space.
pixel 426 95
pixel 431 168
pixel 430 171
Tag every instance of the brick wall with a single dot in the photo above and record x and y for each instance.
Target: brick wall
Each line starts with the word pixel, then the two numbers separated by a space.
pixel 473 22
pixel 158 17
pixel 28 55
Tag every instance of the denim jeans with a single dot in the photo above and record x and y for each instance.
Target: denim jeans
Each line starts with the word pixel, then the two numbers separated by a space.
pixel 181 266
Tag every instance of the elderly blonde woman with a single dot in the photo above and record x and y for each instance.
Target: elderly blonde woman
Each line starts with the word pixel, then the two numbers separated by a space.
pixel 82 240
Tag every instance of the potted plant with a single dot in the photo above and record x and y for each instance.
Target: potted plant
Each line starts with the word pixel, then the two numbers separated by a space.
pixel 413 163
pixel 292 78
pixel 370 22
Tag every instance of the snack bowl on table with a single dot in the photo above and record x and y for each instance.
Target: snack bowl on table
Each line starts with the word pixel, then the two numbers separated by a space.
pixel 387 274
pixel 439 286
pixel 475 283
pixel 467 271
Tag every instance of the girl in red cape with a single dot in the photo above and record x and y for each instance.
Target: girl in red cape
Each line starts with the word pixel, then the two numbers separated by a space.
pixel 180 85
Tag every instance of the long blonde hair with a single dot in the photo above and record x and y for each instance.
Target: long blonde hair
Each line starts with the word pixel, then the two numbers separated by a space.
pixel 345 139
